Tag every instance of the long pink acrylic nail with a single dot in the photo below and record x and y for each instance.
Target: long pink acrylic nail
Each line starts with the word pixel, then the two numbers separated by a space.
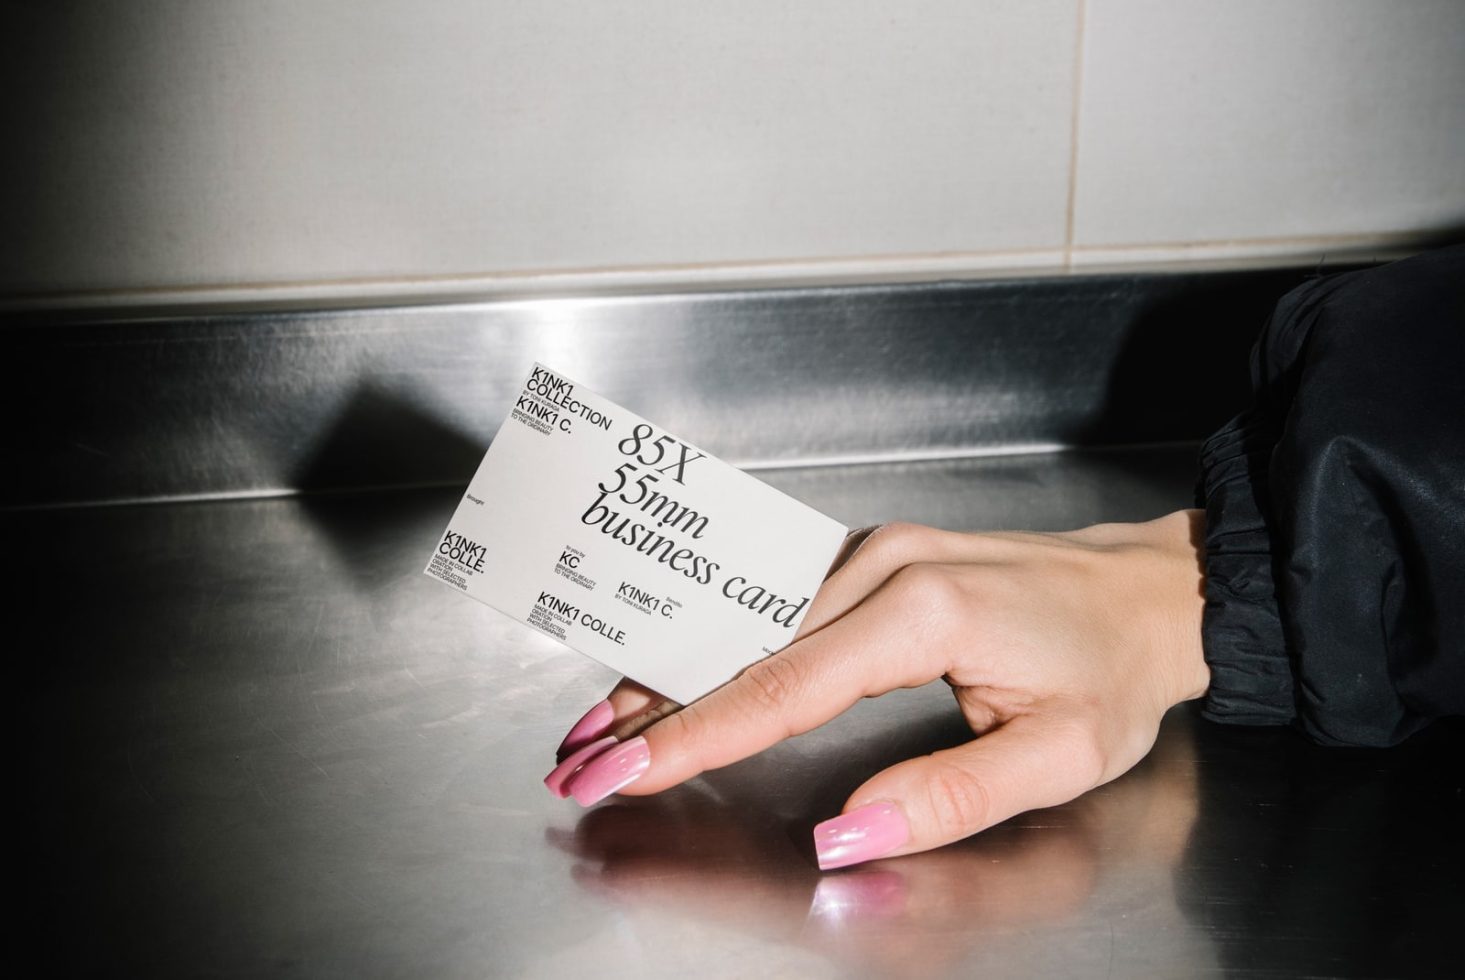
pixel 865 834
pixel 611 770
pixel 561 774
pixel 595 723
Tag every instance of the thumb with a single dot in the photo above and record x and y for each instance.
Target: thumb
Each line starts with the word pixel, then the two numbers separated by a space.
pixel 1030 762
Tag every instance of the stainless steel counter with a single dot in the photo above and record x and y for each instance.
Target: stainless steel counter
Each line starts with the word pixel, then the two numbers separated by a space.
pixel 254 738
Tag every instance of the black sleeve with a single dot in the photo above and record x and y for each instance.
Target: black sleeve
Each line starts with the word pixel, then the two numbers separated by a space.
pixel 1335 512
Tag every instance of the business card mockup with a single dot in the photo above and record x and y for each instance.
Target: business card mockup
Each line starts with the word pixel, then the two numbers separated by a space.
pixel 629 544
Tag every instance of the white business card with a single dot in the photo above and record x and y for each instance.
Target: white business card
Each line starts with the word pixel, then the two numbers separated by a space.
pixel 610 534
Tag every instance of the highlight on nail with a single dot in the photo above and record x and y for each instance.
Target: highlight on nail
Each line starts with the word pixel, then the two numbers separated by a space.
pixel 573 763
pixel 593 725
pixel 610 771
pixel 864 834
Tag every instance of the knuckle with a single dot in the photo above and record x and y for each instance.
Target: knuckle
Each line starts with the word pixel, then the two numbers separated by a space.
pixel 685 743
pixel 686 727
pixel 928 590
pixel 898 532
pixel 773 682
pixel 887 544
pixel 959 802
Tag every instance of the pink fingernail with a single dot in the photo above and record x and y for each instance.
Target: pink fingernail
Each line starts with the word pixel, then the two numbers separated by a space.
pixel 573 762
pixel 595 723
pixel 865 834
pixel 610 771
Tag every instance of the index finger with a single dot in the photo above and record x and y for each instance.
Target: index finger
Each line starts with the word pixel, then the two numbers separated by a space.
pixel 865 653
pixel 632 707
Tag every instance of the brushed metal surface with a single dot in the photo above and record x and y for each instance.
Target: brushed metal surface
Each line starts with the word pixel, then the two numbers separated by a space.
pixel 255 739
pixel 277 402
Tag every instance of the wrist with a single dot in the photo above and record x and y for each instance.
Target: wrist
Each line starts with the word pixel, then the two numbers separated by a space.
pixel 1183 585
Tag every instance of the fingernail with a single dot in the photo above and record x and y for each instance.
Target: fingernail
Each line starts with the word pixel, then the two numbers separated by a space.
pixel 612 770
pixel 561 773
pixel 594 724
pixel 865 834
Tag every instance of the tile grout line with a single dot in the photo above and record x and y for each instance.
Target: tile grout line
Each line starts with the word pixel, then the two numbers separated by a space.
pixel 1078 88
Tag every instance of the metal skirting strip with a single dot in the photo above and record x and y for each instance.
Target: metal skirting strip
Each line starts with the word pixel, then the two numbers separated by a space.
pixel 263 403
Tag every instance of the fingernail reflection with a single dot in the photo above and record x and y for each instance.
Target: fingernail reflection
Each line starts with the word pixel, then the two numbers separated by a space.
pixel 858 895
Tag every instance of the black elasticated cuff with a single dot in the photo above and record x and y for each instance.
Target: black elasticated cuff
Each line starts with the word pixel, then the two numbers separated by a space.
pixel 1251 679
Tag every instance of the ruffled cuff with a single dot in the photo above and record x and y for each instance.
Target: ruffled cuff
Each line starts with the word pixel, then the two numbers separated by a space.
pixel 1251 678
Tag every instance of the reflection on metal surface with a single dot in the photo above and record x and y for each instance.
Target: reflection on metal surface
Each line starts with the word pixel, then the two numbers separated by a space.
pixel 843 901
pixel 274 402
pixel 1348 862
pixel 1023 895
pixel 256 739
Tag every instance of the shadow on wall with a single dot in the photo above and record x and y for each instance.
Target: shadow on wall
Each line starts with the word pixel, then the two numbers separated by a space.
pixel 1181 371
pixel 381 439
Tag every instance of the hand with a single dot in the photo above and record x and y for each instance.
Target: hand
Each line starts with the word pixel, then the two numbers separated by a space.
pixel 1063 651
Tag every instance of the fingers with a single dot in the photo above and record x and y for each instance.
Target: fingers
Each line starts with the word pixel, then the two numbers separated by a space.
pixel 863 637
pixel 1033 761
pixel 867 652
pixel 867 560
pixel 625 711
pixel 630 707
pixel 604 730
pixel 637 708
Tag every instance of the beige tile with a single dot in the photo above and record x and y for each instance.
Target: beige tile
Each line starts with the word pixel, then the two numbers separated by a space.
pixel 212 143
pixel 1218 122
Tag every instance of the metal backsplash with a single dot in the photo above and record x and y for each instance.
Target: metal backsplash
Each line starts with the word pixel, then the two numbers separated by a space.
pixel 271 402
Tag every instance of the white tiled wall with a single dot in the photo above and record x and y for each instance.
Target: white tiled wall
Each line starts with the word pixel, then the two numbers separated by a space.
pixel 1250 124
pixel 287 149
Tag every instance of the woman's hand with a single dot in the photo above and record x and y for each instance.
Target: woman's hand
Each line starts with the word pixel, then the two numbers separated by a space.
pixel 1063 651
